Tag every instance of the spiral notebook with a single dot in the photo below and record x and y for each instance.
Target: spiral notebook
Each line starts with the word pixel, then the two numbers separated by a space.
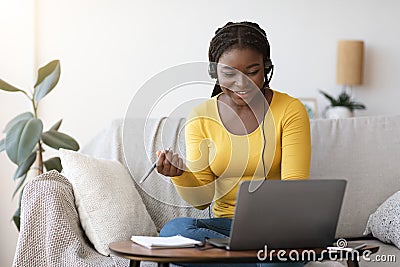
pixel 153 242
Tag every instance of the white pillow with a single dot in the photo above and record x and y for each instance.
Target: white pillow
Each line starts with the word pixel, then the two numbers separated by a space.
pixel 384 223
pixel 109 206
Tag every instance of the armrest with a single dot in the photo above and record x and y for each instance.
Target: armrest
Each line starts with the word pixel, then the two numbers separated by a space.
pixel 51 234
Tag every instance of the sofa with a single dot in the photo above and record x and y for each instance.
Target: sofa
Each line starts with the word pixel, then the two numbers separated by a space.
pixel 362 150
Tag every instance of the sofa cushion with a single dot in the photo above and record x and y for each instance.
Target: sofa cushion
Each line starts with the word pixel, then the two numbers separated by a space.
pixel 384 223
pixel 110 209
pixel 364 151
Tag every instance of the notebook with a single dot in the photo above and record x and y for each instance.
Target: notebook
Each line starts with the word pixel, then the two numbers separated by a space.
pixel 153 242
pixel 285 215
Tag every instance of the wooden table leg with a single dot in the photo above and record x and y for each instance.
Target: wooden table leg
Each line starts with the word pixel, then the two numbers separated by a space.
pixel 134 263
pixel 353 263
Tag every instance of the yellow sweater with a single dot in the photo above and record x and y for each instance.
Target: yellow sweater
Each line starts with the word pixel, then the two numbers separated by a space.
pixel 218 160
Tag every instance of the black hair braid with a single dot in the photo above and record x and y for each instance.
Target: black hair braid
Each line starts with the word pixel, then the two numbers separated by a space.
pixel 237 35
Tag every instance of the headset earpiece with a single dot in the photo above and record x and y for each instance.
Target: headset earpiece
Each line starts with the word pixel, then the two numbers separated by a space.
pixel 268 70
pixel 212 70
pixel 267 67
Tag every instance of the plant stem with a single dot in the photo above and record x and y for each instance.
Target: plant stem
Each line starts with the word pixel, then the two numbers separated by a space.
pixel 40 159
pixel 35 106
pixel 39 152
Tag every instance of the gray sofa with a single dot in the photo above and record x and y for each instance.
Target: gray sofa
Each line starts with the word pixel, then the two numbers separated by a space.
pixel 364 151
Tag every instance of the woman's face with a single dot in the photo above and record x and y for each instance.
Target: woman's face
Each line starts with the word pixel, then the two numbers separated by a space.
pixel 241 74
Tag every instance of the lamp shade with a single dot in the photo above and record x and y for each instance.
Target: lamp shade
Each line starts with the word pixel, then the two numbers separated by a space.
pixel 350 58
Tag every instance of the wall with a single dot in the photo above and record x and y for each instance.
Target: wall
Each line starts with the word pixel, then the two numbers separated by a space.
pixel 16 67
pixel 109 49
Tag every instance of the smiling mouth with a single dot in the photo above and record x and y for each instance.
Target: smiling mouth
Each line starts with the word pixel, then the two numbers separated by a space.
pixel 240 92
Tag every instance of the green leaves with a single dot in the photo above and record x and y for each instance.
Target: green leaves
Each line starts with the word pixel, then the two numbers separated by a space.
pixel 59 140
pixel 17 218
pixel 56 126
pixel 29 138
pixel 21 117
pixel 357 105
pixel 53 164
pixel 24 167
pixel 22 138
pixel 8 87
pixel 17 215
pixel 48 77
pixel 333 100
pixel 2 145
pixel 14 130
pixel 21 182
pixel 22 171
pixel 344 100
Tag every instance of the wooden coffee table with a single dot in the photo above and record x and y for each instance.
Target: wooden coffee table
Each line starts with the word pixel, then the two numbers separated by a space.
pixel 209 254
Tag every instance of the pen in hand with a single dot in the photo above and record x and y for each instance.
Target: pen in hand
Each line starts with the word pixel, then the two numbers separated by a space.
pixel 147 174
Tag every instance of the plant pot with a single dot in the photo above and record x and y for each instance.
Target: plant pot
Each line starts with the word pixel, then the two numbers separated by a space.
pixel 338 113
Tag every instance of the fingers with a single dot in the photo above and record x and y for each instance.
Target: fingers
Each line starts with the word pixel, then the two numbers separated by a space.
pixel 174 164
pixel 160 165
pixel 181 167
pixel 169 164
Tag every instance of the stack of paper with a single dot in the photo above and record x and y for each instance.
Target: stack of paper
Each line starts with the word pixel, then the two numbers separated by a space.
pixel 177 241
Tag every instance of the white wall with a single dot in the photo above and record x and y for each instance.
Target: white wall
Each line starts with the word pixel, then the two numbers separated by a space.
pixel 108 49
pixel 16 67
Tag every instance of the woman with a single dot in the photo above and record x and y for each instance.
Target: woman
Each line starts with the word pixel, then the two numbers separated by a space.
pixel 246 131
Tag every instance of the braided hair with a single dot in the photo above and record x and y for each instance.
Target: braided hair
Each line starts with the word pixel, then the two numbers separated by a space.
pixel 237 35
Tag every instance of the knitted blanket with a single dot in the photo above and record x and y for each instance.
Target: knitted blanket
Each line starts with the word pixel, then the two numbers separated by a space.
pixel 51 234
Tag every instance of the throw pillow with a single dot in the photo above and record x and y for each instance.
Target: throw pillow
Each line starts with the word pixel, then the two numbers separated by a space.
pixel 109 206
pixel 384 223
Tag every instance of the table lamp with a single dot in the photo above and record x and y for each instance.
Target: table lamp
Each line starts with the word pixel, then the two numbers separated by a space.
pixel 350 59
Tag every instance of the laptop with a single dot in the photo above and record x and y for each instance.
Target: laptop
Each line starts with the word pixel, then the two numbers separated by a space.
pixel 284 215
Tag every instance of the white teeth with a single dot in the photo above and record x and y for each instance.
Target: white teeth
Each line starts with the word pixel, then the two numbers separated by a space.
pixel 241 92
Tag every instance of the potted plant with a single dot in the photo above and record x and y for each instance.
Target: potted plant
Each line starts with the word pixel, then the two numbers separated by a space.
pixel 342 107
pixel 25 139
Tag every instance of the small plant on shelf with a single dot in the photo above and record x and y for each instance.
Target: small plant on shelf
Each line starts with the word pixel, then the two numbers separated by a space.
pixel 343 100
pixel 344 103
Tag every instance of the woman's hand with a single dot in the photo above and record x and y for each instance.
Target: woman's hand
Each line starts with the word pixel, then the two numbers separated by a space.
pixel 169 164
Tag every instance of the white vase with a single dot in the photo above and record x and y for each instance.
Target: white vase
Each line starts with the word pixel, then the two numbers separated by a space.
pixel 338 113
